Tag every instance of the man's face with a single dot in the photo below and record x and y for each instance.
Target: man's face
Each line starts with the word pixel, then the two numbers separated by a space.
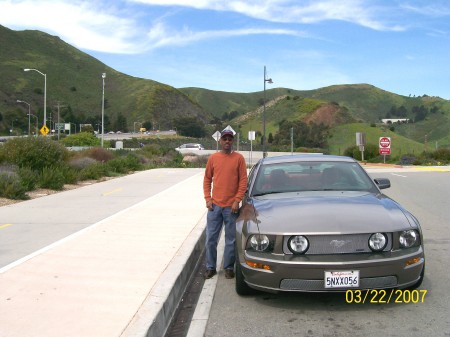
pixel 226 142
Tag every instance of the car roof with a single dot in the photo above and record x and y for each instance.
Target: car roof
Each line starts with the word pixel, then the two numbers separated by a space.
pixel 306 157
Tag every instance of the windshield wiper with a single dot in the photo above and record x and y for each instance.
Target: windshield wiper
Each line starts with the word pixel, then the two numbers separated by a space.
pixel 268 192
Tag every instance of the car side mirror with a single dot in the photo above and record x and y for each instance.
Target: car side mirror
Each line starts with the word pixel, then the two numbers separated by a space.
pixel 382 183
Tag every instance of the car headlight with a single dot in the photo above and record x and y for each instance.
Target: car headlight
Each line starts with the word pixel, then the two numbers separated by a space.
pixel 259 242
pixel 408 238
pixel 378 241
pixel 298 244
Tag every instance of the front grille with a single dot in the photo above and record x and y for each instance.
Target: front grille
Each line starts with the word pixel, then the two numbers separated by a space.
pixel 338 244
pixel 318 285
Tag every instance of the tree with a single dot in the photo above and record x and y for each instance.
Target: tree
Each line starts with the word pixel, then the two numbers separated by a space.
pixel 190 127
pixel 121 123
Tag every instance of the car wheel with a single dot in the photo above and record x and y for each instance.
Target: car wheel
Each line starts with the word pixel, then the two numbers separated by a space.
pixel 419 282
pixel 242 288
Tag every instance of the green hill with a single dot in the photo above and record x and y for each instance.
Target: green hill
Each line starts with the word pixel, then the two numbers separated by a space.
pixel 74 81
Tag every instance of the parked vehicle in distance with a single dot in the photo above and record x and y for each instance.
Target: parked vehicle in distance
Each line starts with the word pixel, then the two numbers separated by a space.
pixel 317 223
pixel 190 146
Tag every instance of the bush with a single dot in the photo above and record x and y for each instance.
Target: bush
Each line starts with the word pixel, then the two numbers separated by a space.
pixel 100 154
pixel 11 187
pixel 442 155
pixel 371 152
pixel 81 139
pixel 28 178
pixel 80 163
pixel 34 153
pixel 52 178
pixel 124 164
pixel 94 171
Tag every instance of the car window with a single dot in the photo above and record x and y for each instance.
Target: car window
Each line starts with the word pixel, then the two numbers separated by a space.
pixel 311 176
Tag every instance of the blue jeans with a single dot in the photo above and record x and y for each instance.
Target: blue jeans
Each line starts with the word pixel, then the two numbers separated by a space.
pixel 216 218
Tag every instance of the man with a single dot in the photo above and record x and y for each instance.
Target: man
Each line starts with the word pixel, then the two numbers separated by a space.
pixel 226 173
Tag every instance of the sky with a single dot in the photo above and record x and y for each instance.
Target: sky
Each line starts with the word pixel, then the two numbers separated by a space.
pixel 225 45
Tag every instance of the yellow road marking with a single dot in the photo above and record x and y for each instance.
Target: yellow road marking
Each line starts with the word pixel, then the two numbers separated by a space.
pixel 432 169
pixel 112 192
pixel 5 225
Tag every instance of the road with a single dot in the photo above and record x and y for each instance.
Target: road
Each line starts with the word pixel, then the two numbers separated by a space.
pixel 29 226
pixel 426 195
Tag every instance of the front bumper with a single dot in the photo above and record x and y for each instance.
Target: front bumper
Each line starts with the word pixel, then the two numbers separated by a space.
pixel 306 272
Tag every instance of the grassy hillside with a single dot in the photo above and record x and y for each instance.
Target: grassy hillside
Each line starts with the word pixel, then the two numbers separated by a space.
pixel 74 79
pixel 344 136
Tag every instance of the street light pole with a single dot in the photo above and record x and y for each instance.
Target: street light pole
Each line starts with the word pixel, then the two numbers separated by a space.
pixel 268 80
pixel 29 115
pixel 45 93
pixel 103 105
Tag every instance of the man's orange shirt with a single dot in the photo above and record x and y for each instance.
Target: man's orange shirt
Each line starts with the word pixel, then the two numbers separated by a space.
pixel 227 174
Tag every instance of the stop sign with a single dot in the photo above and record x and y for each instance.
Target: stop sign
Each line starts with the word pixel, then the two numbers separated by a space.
pixel 385 145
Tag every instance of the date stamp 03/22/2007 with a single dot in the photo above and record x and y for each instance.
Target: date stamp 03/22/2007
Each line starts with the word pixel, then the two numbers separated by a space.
pixel 381 296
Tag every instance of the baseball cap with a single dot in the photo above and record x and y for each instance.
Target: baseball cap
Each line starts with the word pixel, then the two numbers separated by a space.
pixel 226 132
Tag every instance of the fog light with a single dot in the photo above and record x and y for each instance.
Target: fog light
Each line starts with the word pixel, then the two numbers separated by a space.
pixel 377 242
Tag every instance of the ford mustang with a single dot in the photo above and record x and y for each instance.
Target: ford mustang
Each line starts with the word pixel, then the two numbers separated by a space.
pixel 318 223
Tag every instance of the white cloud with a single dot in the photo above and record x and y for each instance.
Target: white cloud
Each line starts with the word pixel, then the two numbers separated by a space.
pixel 80 23
pixel 360 12
pixel 159 35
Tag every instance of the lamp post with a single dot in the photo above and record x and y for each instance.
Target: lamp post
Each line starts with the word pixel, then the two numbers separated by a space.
pixel 36 134
pixel 45 93
pixel 29 115
pixel 103 105
pixel 268 80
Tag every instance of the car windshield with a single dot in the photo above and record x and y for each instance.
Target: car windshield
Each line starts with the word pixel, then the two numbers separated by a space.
pixel 311 176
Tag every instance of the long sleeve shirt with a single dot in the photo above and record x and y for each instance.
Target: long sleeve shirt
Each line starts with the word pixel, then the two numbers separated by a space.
pixel 225 179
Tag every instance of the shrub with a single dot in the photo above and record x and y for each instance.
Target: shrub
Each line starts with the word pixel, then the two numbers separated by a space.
pixel 28 178
pixel 52 178
pixel 94 171
pixel 371 151
pixel 34 153
pixel 124 164
pixel 81 162
pixel 100 154
pixel 81 139
pixel 441 155
pixel 11 187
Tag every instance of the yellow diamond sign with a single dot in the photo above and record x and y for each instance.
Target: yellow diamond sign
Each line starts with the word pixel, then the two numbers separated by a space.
pixel 44 130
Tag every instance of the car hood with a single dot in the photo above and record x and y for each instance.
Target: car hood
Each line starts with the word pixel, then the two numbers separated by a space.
pixel 326 212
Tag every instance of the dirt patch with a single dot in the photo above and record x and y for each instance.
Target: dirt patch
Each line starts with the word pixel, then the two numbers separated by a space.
pixel 329 114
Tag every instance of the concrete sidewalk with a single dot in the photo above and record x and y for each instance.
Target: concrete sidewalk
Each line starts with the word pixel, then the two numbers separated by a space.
pixel 123 276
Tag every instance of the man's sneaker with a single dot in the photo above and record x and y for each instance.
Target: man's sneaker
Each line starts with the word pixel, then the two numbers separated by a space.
pixel 229 273
pixel 210 273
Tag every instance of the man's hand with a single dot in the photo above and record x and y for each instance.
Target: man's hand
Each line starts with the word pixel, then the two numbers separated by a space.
pixel 209 205
pixel 235 207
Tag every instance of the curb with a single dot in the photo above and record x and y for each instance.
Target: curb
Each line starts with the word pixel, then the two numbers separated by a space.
pixel 156 312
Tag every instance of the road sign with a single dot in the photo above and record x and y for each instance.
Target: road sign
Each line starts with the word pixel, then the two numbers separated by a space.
pixel 251 135
pixel 44 130
pixel 385 145
pixel 216 136
pixel 60 126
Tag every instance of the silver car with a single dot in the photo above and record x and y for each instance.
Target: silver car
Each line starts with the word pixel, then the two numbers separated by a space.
pixel 319 223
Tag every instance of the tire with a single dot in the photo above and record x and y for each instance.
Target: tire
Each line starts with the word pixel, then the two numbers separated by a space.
pixel 242 288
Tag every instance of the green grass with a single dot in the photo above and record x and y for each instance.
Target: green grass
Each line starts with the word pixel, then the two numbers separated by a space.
pixel 344 136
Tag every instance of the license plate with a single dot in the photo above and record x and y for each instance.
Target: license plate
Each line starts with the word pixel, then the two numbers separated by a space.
pixel 342 279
